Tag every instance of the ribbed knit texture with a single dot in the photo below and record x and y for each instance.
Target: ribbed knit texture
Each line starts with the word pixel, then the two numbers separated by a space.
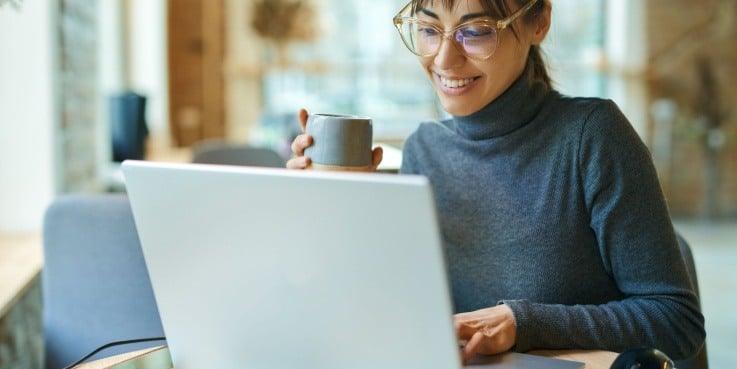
pixel 551 205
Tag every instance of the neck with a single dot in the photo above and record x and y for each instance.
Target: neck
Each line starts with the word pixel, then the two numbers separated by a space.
pixel 508 112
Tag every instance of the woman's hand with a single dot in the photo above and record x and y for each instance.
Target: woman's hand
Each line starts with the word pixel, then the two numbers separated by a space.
pixel 300 143
pixel 487 331
pixel 303 141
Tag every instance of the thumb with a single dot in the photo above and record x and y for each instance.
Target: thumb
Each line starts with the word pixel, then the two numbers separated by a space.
pixel 302 116
pixel 376 156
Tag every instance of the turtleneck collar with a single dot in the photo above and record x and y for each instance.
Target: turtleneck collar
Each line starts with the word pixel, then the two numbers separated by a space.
pixel 510 111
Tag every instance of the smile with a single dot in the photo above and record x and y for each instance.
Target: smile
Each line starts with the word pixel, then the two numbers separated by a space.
pixel 455 83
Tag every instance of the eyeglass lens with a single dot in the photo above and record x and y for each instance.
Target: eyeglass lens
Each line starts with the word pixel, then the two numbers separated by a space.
pixel 478 40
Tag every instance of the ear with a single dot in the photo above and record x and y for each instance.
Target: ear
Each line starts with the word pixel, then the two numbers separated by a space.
pixel 542 24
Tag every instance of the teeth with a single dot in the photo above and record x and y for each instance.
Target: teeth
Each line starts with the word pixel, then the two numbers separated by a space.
pixel 455 83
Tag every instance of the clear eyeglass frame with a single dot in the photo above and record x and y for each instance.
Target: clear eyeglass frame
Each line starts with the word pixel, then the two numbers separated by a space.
pixel 403 18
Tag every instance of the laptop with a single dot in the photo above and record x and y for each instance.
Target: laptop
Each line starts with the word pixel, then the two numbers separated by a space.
pixel 275 268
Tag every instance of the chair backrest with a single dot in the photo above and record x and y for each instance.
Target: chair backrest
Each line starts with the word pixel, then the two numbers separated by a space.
pixel 698 361
pixel 96 288
pixel 221 152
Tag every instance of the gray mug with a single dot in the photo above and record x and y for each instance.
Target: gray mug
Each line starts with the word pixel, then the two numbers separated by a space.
pixel 340 142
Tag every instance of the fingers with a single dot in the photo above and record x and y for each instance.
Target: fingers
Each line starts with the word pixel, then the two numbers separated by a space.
pixel 468 337
pixel 472 346
pixel 302 116
pixel 486 331
pixel 299 162
pixel 300 143
pixel 376 156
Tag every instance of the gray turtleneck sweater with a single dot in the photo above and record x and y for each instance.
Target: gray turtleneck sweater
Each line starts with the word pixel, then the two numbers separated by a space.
pixel 551 205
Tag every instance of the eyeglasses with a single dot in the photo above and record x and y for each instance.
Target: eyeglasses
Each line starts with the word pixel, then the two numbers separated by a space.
pixel 476 39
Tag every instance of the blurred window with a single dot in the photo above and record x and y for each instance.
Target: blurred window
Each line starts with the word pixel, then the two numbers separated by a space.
pixel 358 65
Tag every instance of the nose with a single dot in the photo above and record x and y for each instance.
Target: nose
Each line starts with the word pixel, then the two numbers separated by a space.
pixel 448 54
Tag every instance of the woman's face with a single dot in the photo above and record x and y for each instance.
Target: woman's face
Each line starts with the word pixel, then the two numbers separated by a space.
pixel 466 85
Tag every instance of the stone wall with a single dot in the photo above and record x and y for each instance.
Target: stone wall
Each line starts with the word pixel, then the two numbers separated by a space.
pixel 691 79
pixel 77 132
pixel 21 332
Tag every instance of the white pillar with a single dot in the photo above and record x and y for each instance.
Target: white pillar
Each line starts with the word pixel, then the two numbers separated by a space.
pixel 28 114
pixel 147 59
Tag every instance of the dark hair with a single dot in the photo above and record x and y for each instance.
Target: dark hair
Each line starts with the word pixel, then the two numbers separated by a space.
pixel 499 9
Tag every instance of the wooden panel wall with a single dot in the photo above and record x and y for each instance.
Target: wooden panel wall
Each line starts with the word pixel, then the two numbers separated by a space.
pixel 195 60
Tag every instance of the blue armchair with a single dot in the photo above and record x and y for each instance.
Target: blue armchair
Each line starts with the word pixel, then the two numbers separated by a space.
pixel 96 288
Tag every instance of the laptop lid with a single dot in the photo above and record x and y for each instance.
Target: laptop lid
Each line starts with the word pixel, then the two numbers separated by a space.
pixel 274 268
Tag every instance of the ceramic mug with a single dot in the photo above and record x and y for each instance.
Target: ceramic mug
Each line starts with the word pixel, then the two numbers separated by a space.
pixel 340 142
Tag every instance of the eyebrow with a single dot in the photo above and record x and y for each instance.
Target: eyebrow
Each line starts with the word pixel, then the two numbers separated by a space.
pixel 464 18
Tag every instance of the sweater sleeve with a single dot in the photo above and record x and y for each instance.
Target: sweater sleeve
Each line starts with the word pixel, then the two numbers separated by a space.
pixel 638 248
pixel 409 155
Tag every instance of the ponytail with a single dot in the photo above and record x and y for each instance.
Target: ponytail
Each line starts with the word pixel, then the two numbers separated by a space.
pixel 537 69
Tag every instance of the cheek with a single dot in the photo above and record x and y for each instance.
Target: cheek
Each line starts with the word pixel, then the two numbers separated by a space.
pixel 512 49
pixel 426 63
pixel 507 65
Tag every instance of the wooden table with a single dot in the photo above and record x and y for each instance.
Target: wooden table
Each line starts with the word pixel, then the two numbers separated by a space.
pixel 21 258
pixel 593 359
pixel 158 358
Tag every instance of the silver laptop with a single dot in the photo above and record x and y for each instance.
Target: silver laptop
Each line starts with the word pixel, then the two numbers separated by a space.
pixel 274 268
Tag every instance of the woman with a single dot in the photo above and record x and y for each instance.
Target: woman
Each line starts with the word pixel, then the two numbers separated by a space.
pixel 556 231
